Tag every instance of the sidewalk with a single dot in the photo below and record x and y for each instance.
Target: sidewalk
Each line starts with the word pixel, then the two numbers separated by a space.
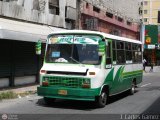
pixel 156 69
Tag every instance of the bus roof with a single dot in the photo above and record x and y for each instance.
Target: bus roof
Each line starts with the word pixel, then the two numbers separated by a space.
pixel 98 33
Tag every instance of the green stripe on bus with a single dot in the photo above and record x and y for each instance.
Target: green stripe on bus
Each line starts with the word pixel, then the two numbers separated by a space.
pixel 133 72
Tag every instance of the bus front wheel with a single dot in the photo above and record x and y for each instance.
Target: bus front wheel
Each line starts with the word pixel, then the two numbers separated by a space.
pixel 101 100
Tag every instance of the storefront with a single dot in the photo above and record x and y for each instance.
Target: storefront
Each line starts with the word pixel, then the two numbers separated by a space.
pixel 151 50
pixel 19 65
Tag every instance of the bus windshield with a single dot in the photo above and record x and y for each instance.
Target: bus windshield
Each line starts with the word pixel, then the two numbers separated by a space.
pixel 73 53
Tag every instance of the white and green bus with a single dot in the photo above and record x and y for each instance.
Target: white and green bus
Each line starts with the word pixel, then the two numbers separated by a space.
pixel 89 65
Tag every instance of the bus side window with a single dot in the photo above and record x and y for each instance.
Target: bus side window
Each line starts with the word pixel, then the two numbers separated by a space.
pixel 108 54
pixel 128 53
pixel 120 52
pixel 139 53
pixel 114 52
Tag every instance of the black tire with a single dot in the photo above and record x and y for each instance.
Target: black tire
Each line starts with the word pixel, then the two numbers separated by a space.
pixel 49 101
pixel 101 100
pixel 133 88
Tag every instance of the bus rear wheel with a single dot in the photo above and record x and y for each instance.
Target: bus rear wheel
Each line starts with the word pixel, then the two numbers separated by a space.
pixel 101 100
pixel 49 101
pixel 133 88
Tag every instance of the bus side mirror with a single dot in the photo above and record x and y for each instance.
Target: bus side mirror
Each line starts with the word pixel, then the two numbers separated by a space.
pixel 38 47
pixel 108 61
pixel 101 49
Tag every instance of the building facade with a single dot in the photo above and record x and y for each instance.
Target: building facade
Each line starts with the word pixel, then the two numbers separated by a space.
pixel 111 16
pixel 149 16
pixel 22 24
pixel 149 11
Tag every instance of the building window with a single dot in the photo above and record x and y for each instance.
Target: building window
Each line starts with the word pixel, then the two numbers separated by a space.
pixel 54 7
pixel 145 20
pixel 140 10
pixel 91 23
pixel 96 9
pixel 145 2
pixel 87 5
pixel 145 11
pixel 158 16
pixel 36 5
pixel 129 23
pixel 110 15
pixel 120 19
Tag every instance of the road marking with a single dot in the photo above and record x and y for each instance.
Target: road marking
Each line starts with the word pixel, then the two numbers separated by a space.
pixel 145 85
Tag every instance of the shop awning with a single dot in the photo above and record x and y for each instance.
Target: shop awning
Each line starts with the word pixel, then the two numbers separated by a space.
pixel 22 31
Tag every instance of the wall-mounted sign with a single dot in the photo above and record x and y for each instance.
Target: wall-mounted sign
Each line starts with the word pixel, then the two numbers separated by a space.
pixel 151 34
pixel 151 46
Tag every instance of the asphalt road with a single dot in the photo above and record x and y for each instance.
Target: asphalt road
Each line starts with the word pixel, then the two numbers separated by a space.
pixel 124 106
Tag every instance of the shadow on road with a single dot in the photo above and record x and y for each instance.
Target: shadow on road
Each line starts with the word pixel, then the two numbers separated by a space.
pixel 123 95
pixel 154 108
pixel 69 104
pixel 152 112
pixel 80 105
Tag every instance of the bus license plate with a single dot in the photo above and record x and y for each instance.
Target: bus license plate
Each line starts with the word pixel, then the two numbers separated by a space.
pixel 62 92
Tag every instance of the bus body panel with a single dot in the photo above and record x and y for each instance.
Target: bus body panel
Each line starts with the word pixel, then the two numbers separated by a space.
pixel 72 93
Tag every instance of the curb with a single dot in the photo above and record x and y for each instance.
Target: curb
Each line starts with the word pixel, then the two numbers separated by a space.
pixel 18 92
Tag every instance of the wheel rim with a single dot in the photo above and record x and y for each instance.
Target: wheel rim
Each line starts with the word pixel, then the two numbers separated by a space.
pixel 103 98
pixel 133 88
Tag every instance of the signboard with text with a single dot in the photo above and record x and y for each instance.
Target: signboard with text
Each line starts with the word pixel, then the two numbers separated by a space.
pixel 151 34
pixel 151 46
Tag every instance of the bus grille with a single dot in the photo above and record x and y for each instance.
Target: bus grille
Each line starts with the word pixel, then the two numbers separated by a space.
pixel 72 82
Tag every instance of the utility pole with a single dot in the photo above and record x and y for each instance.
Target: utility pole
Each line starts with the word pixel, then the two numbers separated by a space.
pixel 78 2
pixel 142 31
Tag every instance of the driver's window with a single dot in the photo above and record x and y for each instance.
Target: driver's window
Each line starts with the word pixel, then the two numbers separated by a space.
pixel 108 55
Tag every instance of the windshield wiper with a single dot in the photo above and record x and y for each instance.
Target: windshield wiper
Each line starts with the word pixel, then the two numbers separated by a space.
pixel 75 60
pixel 72 54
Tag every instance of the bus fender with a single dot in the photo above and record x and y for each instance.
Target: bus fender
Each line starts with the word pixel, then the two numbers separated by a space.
pixel 105 87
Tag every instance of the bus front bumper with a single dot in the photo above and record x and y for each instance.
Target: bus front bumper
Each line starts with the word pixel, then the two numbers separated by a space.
pixel 68 93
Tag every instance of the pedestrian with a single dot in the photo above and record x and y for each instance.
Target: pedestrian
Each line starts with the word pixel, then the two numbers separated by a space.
pixel 144 64
pixel 151 69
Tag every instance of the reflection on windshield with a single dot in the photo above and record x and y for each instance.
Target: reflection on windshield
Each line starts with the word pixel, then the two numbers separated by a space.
pixel 72 53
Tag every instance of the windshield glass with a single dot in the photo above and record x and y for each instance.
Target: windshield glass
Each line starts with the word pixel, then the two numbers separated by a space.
pixel 73 52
